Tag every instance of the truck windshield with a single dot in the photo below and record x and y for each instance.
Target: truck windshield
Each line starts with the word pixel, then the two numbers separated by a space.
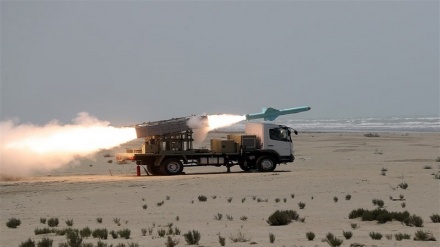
pixel 280 134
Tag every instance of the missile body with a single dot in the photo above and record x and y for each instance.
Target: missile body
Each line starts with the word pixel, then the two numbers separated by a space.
pixel 270 114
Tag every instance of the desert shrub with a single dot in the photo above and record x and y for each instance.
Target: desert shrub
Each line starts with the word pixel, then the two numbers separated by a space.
pixel 74 239
pixel 144 231
pixel 335 199
pixel 437 175
pixel 348 197
pixel 229 199
pixel 435 218
pixel 85 232
pixel 277 200
pixel 380 215
pixel 403 204
pixel 69 222
pixel 243 218
pixel 171 242
pixel 13 223
pixel 421 235
pixel 117 221
pixel 53 222
pixel 221 240
pixel 427 167
pixel 413 220
pixel 124 233
pixel 45 242
pixel 283 217
pixel 347 234
pixel 239 238
pixel 43 220
pixel 229 217
pixel 214 197
pixel 292 196
pixel 114 234
pixel 161 232
pixel 39 231
pixel 202 198
pixel 354 226
pixel 356 213
pixel 389 236
pixel 332 240
pixel 400 236
pixel 301 205
pixel 378 202
pixel 27 243
pixel 100 233
pixel 243 199
pixel 218 216
pixel 192 237
pixel 438 159
pixel 145 206
pixel 403 185
pixel 376 235
pixel 271 238
pixel 371 135
pixel 310 236
pixel 176 231
pixel 160 203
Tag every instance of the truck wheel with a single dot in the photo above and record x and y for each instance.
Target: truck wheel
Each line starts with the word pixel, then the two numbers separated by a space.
pixel 171 167
pixel 266 164
pixel 153 170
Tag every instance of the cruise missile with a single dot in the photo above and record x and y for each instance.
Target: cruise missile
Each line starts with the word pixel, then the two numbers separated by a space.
pixel 270 114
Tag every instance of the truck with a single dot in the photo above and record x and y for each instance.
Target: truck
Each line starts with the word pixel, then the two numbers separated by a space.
pixel 168 148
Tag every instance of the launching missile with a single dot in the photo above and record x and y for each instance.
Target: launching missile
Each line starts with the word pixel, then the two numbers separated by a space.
pixel 269 114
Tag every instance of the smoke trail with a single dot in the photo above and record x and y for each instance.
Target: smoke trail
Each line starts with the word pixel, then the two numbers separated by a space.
pixel 201 127
pixel 26 148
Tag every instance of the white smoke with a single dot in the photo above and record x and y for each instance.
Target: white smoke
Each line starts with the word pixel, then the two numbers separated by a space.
pixel 202 126
pixel 27 148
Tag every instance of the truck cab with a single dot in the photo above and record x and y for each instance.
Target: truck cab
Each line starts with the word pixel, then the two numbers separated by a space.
pixel 273 137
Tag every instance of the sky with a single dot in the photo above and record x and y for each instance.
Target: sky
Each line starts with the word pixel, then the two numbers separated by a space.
pixel 128 62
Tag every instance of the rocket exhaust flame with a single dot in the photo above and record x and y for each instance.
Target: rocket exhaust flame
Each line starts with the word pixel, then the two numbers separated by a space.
pixel 201 127
pixel 27 148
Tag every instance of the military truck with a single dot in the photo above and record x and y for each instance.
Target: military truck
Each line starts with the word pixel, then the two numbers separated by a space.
pixel 168 148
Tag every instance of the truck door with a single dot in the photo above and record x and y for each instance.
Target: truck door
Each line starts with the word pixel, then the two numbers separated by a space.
pixel 280 141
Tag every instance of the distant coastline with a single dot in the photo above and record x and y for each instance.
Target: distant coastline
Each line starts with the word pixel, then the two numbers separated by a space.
pixel 383 124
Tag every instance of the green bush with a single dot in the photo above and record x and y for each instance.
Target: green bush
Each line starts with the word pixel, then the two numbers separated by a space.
pixel 347 234
pixel 171 242
pixel 435 218
pixel 13 223
pixel 53 222
pixel 221 240
pixel 376 235
pixel 85 232
pixel 413 220
pixel 282 217
pixel 310 236
pixel 27 243
pixel 45 242
pixel 124 233
pixel 271 238
pixel 202 198
pixel 100 233
pixel 332 240
pixel 39 231
pixel 74 239
pixel 421 235
pixel 192 237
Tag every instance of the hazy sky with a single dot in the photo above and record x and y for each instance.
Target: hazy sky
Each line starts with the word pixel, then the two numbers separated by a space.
pixel 132 61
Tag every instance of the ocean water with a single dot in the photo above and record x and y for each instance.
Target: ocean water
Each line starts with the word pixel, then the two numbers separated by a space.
pixel 390 124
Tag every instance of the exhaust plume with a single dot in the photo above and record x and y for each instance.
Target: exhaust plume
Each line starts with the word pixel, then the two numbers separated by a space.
pixel 27 148
pixel 202 126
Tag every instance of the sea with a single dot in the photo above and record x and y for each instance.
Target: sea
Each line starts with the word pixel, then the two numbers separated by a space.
pixel 383 124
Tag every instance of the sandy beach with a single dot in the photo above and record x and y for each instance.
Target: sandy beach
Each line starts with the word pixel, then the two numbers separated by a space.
pixel 327 165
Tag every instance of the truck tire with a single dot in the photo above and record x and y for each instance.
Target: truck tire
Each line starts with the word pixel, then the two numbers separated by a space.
pixel 266 164
pixel 171 166
pixel 153 170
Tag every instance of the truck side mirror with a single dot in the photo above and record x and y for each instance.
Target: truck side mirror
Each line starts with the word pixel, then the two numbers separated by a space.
pixel 295 132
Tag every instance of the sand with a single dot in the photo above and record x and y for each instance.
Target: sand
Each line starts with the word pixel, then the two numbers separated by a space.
pixel 327 165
